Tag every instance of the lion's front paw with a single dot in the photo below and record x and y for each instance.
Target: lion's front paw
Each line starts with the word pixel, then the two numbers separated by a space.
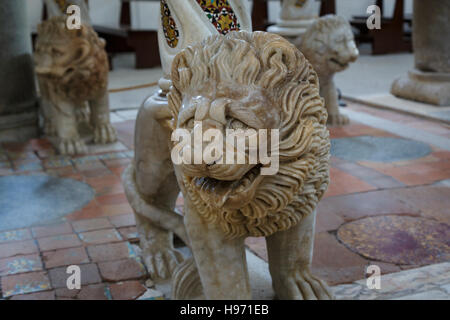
pixel 49 129
pixel 302 285
pixel 338 119
pixel 105 133
pixel 71 146
pixel 161 264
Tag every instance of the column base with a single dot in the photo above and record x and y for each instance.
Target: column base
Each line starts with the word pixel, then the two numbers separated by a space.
pixel 19 127
pixel 291 29
pixel 428 87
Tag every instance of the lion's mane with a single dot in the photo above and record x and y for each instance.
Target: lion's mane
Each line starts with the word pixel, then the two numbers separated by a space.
pixel 268 61
pixel 86 58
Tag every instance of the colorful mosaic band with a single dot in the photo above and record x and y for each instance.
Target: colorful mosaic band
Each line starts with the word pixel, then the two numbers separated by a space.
pixel 169 26
pixel 300 3
pixel 62 4
pixel 221 15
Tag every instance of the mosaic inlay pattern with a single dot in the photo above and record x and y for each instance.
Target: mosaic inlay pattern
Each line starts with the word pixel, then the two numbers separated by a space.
pixel 221 15
pixel 398 239
pixel 169 26
pixel 300 3
pixel 62 4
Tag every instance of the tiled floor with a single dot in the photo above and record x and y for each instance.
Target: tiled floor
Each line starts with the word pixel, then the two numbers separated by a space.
pixel 101 236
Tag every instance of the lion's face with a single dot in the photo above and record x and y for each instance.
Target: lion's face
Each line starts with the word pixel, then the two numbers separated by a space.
pixel 73 60
pixel 329 45
pixel 227 106
pixel 252 81
pixel 54 58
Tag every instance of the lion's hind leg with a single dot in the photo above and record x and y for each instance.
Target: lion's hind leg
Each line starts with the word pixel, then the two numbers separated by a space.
pixel 156 226
pixel 160 256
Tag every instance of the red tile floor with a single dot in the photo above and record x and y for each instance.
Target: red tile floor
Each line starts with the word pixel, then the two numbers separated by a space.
pixel 101 237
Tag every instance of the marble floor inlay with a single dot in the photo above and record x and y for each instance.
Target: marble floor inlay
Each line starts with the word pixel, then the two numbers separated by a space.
pixel 398 239
pixel 378 149
pixel 37 199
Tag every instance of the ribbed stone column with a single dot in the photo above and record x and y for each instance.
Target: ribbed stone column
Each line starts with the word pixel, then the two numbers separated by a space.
pixel 18 100
pixel 429 81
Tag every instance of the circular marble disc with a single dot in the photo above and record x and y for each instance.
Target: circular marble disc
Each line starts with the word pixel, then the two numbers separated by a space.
pixel 38 199
pixel 378 149
pixel 398 239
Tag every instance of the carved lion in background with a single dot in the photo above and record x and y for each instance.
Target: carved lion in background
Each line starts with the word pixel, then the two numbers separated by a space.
pixel 329 46
pixel 72 70
pixel 242 80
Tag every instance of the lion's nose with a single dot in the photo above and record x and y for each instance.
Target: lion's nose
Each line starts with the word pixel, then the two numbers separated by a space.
pixel 353 52
pixel 354 55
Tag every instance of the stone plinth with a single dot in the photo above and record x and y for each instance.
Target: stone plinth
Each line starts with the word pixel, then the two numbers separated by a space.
pixel 295 18
pixel 18 101
pixel 429 81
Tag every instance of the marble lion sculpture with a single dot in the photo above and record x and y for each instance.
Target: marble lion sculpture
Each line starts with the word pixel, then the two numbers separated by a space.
pixel 242 80
pixel 72 70
pixel 329 46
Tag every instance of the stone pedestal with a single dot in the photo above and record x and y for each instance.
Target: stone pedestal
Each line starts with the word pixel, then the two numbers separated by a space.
pixel 295 18
pixel 429 81
pixel 18 100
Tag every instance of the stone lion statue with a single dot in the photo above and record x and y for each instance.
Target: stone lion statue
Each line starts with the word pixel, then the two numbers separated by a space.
pixel 72 70
pixel 243 80
pixel 329 46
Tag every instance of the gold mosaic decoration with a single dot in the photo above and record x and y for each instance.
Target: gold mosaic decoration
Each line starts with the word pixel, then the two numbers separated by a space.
pixel 300 3
pixel 169 26
pixel 221 15
pixel 62 4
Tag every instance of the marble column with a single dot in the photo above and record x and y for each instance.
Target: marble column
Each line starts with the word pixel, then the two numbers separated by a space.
pixel 18 99
pixel 295 18
pixel 429 81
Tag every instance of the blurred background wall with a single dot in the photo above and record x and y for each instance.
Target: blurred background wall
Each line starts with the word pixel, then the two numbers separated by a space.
pixel 145 14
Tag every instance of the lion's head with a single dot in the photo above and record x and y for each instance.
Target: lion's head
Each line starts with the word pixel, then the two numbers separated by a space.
pixel 329 45
pixel 75 60
pixel 253 80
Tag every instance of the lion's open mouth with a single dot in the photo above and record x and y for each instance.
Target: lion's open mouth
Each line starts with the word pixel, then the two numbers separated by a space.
pixel 339 63
pixel 230 194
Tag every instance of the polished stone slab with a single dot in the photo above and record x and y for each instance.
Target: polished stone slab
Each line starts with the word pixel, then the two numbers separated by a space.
pixel 398 129
pixel 425 283
pixel 378 149
pixel 39 199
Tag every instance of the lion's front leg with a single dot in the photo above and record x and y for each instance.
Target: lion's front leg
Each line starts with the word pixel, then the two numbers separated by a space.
pixel 221 262
pixel 329 92
pixel 64 117
pixel 290 256
pixel 104 132
pixel 47 108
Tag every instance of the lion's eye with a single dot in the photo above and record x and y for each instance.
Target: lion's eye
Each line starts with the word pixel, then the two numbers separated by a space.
pixel 236 124
pixel 190 123
pixel 56 52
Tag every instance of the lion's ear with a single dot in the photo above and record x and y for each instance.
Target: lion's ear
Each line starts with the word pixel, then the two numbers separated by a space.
pixel 181 73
